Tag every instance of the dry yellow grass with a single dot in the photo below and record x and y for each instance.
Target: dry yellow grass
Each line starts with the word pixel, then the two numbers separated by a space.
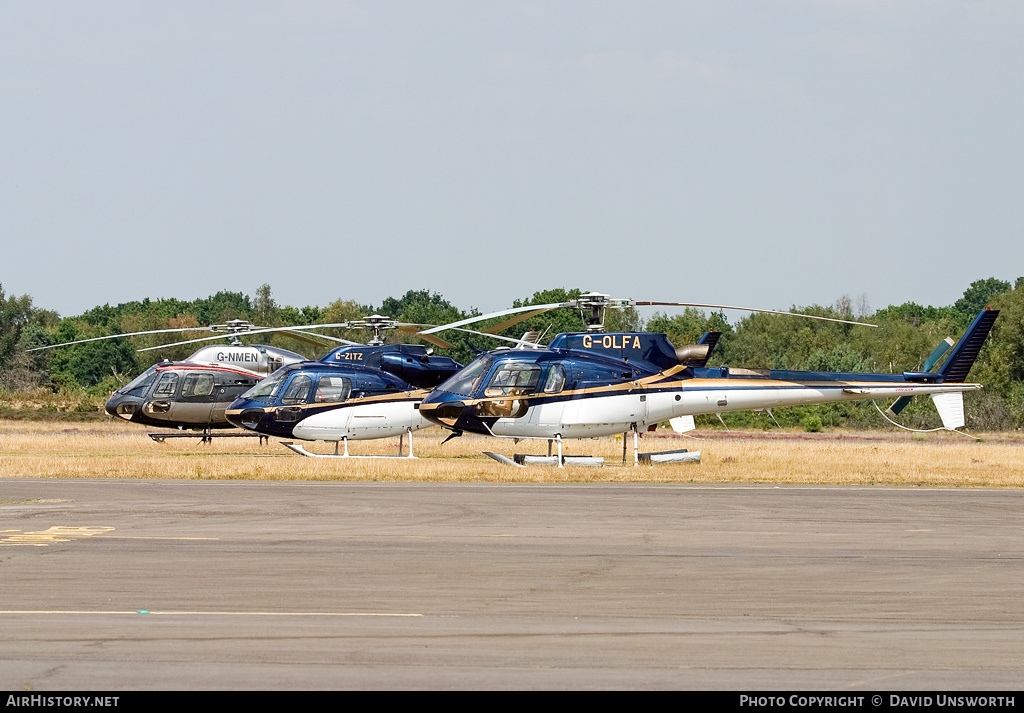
pixel 121 450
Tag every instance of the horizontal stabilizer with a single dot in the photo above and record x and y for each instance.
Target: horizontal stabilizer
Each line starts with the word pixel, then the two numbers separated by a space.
pixel 903 401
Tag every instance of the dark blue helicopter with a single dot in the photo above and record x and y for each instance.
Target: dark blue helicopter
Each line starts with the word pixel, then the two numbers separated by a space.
pixel 597 384
pixel 352 393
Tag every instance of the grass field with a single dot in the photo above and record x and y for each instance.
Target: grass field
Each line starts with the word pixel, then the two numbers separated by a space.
pixel 112 449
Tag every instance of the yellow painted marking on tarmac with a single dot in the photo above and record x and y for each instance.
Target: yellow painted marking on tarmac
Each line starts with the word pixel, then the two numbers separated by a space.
pixel 59 533
pixel 150 612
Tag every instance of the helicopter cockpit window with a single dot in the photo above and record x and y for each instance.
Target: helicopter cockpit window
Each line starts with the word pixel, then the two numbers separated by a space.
pixel 140 384
pixel 297 391
pixel 267 389
pixel 332 390
pixel 510 379
pixel 196 385
pixel 166 385
pixel 556 379
pixel 513 379
pixel 465 382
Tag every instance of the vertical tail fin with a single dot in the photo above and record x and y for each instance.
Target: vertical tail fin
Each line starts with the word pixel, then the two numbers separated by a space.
pixel 962 358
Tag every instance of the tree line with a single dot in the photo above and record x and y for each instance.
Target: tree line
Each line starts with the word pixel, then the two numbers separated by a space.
pixel 904 336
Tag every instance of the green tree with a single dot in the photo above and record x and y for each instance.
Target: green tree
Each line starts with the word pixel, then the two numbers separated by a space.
pixel 421 307
pixel 22 326
pixel 265 311
pixel 222 307
pixel 90 363
pixel 1000 366
pixel 773 341
pixel 913 313
pixel 978 296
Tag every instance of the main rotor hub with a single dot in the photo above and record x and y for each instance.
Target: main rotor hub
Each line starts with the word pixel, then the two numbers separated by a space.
pixel 596 303
pixel 233 326
pixel 376 323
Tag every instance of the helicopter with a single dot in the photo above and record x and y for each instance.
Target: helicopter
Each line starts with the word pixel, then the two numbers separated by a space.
pixel 352 393
pixel 591 384
pixel 356 392
pixel 192 394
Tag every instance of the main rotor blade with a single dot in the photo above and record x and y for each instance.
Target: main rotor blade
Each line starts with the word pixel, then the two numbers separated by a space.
pixel 751 309
pixel 318 340
pixel 340 325
pixel 898 405
pixel 498 336
pixel 536 309
pixel 436 341
pixel 514 321
pixel 125 334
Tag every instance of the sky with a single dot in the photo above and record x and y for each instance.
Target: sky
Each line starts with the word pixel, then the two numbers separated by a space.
pixel 765 154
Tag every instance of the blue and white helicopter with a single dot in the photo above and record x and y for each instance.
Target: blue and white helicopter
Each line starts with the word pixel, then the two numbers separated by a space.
pixel 354 392
pixel 596 383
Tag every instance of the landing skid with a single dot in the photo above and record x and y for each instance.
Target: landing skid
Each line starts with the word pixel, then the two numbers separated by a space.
pixel 207 436
pixel 522 460
pixel 298 448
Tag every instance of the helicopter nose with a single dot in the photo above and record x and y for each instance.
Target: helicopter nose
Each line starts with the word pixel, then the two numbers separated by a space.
pixel 122 406
pixel 241 415
pixel 443 413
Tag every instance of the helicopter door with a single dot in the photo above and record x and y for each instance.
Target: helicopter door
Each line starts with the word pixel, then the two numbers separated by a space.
pixel 549 413
pixel 332 390
pixel 159 404
pixel 295 396
pixel 604 408
pixel 195 402
pixel 510 380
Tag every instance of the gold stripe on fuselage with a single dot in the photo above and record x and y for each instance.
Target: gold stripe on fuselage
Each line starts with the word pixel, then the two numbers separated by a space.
pixel 397 397
pixel 658 383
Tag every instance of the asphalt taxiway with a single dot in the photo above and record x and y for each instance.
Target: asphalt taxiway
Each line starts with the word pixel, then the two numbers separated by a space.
pixel 119 585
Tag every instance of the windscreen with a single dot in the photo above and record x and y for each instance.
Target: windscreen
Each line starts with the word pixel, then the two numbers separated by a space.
pixel 465 382
pixel 266 390
pixel 139 386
